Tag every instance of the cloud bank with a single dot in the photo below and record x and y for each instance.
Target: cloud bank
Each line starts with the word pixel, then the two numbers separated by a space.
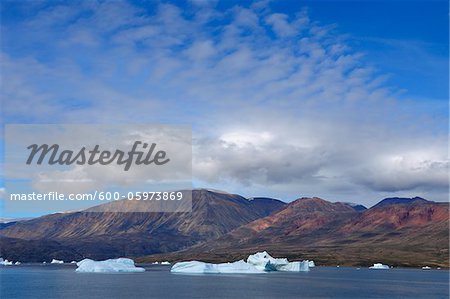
pixel 280 104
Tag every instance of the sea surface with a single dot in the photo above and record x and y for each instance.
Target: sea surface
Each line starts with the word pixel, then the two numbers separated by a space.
pixel 61 281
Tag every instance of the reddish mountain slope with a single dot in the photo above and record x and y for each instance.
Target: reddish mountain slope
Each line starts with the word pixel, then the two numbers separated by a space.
pixel 412 233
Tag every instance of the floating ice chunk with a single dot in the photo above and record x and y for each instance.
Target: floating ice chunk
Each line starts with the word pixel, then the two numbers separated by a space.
pixel 56 262
pixel 73 262
pixel 295 267
pixel 5 262
pixel 379 266
pixel 311 264
pixel 112 265
pixel 426 268
pixel 194 267
pixel 165 263
pixel 207 268
pixel 155 263
pixel 263 261
pixel 17 263
pixel 259 262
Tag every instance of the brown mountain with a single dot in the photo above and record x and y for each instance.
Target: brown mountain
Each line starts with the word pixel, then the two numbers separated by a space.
pixel 108 234
pixel 396 231
pixel 405 233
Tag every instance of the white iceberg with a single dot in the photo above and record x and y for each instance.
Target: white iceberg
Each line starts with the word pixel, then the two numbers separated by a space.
pixel 207 268
pixel 165 263
pixel 311 264
pixel 17 263
pixel 263 261
pixel 54 261
pixel 426 268
pixel 5 262
pixel 294 267
pixel 112 265
pixel 259 262
pixel 379 266
pixel 73 262
pixel 155 263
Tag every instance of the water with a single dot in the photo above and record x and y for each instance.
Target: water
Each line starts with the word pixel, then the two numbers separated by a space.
pixel 61 281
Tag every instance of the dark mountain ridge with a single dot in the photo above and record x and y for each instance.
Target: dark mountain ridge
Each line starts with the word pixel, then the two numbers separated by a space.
pixel 400 200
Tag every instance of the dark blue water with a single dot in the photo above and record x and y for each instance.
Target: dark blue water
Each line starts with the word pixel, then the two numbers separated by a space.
pixel 61 281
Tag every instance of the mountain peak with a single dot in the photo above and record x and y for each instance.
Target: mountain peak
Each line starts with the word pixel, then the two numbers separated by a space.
pixel 356 206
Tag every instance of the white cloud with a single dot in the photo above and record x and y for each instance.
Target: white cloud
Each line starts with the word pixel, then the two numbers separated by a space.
pixel 295 113
pixel 280 25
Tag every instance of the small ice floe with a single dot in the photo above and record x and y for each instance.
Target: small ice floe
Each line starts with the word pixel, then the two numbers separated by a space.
pixel 5 262
pixel 311 264
pixel 54 261
pixel 260 262
pixel 17 263
pixel 155 263
pixel 426 268
pixel 112 265
pixel 73 262
pixel 165 263
pixel 337 266
pixel 439 268
pixel 379 266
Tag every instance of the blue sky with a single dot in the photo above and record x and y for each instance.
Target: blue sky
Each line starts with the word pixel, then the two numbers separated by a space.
pixel 346 100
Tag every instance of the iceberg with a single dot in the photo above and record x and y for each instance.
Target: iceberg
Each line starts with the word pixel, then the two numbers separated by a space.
pixel 379 266
pixel 155 263
pixel 259 262
pixel 54 261
pixel 426 268
pixel 311 264
pixel 165 263
pixel 263 261
pixel 5 262
pixel 207 268
pixel 294 267
pixel 73 262
pixel 17 263
pixel 112 265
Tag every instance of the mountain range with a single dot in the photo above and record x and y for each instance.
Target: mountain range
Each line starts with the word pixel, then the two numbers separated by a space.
pixel 223 227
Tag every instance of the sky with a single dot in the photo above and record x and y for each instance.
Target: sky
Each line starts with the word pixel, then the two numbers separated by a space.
pixel 344 100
